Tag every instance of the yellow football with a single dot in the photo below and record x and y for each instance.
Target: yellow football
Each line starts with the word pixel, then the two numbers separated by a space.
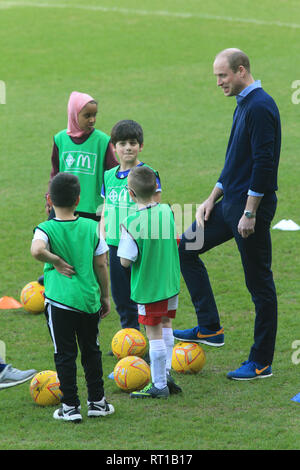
pixel 128 342
pixel 132 373
pixel 32 297
pixel 188 357
pixel 44 388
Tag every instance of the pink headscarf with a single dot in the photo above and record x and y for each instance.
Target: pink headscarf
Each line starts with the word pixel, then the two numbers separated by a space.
pixel 77 101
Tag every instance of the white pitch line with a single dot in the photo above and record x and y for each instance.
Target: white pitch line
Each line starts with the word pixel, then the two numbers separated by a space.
pixel 128 11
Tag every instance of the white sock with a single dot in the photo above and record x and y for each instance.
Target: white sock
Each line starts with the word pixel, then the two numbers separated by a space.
pixel 158 356
pixel 167 334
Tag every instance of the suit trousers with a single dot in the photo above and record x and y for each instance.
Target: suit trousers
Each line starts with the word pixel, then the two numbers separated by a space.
pixel 67 329
pixel 256 256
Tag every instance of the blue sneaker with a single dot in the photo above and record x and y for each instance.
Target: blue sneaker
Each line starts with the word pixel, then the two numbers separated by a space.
pixel 200 334
pixel 250 370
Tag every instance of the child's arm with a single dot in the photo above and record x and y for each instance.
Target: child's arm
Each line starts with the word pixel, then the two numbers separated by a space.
pixel 125 262
pixel 100 267
pixel 40 252
pixel 157 195
pixel 102 222
pixel 127 249
pixel 54 171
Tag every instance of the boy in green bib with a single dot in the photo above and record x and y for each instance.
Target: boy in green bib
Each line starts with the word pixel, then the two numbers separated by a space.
pixel 149 245
pixel 76 295
pixel 127 140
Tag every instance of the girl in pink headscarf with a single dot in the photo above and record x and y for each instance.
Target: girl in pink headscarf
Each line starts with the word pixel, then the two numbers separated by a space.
pixel 82 111
pixel 84 151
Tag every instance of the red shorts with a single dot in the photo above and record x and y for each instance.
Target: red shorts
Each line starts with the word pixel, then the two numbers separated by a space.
pixel 150 314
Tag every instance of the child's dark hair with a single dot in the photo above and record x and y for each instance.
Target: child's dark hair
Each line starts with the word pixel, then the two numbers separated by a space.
pixel 142 180
pixel 125 130
pixel 64 190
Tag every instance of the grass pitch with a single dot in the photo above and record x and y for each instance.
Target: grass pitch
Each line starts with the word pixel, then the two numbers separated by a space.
pixel 150 62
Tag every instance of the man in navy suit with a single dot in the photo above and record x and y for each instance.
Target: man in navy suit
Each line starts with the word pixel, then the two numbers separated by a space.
pixel 241 206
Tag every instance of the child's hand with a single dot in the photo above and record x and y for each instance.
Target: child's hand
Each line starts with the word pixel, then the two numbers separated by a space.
pixel 63 267
pixel 105 307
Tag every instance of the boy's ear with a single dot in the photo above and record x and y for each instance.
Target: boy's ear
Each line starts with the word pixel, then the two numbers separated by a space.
pixel 141 147
pixel 77 201
pixel 132 195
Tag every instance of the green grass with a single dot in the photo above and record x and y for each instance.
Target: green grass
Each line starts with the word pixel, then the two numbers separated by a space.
pixel 156 69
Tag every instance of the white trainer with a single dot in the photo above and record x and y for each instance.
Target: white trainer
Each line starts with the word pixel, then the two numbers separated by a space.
pixel 99 408
pixel 68 413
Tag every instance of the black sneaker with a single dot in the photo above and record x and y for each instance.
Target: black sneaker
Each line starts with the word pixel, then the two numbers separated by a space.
pixel 172 386
pixel 68 413
pixel 99 408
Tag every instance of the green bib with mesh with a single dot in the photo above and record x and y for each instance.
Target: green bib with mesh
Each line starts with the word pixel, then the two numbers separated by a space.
pixel 86 161
pixel 118 204
pixel 75 241
pixel 155 275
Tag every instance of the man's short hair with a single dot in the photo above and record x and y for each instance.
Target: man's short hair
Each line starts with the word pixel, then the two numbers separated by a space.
pixel 142 180
pixel 64 190
pixel 239 58
pixel 235 58
pixel 127 130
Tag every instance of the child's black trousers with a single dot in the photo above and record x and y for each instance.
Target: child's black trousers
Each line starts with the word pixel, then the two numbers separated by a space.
pixel 70 329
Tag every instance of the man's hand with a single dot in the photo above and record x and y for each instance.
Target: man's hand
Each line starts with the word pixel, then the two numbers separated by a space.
pixel 246 226
pixel 203 212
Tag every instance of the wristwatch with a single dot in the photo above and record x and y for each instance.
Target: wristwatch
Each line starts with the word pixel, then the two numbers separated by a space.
pixel 249 214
